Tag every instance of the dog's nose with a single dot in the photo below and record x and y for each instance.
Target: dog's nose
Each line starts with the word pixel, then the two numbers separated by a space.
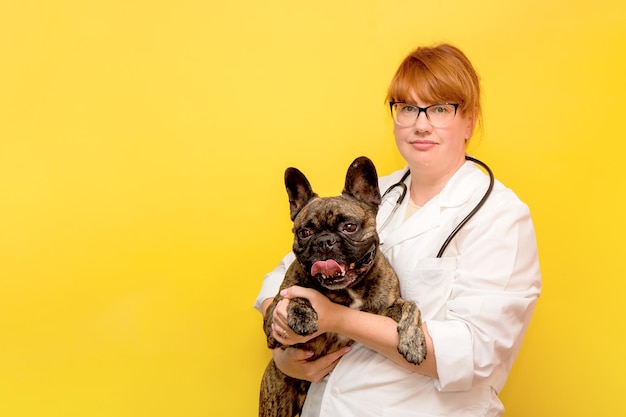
pixel 326 242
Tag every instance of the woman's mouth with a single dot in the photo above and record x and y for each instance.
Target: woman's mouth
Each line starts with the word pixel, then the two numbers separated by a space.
pixel 423 145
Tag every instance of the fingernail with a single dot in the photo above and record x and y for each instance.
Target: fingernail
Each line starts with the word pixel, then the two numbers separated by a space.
pixel 309 353
pixel 283 293
pixel 347 349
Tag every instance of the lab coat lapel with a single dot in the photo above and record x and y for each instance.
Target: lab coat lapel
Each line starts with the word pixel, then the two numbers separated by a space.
pixel 427 219
pixel 457 192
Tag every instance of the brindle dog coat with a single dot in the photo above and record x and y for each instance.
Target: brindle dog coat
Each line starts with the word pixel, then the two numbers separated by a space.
pixel 337 253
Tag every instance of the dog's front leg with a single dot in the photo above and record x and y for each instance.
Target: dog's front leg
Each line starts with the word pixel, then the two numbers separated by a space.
pixel 412 344
pixel 301 316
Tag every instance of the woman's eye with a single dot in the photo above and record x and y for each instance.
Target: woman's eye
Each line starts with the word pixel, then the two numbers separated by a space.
pixel 409 109
pixel 349 227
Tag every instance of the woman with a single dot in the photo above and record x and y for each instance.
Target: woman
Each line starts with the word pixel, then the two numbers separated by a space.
pixel 476 299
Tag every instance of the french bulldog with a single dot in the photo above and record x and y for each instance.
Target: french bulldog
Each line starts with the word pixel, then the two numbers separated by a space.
pixel 337 253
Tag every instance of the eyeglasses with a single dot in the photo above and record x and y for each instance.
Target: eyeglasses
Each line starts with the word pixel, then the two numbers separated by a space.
pixel 439 115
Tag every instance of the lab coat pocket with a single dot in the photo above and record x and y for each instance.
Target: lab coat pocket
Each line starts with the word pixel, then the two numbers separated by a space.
pixel 430 284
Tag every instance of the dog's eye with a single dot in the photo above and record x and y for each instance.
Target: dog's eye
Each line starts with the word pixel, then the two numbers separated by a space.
pixel 349 227
pixel 304 233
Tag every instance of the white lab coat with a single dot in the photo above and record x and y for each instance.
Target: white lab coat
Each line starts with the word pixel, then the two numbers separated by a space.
pixel 477 301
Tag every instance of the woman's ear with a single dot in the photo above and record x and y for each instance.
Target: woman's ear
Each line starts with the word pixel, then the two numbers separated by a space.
pixel 471 125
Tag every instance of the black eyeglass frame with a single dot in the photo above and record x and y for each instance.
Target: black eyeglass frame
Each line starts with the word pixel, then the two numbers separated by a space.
pixel 420 109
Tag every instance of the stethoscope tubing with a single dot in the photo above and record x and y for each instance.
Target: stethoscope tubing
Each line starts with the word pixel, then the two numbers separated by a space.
pixel 462 223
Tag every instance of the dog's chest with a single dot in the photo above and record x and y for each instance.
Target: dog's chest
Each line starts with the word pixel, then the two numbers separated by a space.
pixel 356 303
pixel 357 300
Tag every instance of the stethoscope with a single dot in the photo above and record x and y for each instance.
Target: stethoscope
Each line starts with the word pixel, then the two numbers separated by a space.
pixel 404 189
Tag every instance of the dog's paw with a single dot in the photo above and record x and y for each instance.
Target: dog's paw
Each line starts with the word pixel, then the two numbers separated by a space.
pixel 412 344
pixel 301 317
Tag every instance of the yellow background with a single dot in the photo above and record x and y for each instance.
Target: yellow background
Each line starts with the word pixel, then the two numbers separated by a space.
pixel 142 148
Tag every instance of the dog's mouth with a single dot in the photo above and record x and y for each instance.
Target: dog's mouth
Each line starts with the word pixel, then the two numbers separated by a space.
pixel 335 275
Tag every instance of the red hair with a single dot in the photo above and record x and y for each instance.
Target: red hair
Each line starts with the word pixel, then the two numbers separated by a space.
pixel 437 74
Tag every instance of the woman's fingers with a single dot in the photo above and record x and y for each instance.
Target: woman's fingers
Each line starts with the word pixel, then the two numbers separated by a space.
pixel 297 364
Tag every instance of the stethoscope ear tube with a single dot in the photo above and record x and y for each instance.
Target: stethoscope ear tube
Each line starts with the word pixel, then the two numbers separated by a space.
pixel 474 210
pixel 399 200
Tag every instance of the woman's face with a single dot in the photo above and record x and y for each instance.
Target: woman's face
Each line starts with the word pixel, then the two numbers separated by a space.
pixel 440 150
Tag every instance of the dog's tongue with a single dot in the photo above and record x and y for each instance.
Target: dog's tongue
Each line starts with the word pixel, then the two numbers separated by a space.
pixel 327 268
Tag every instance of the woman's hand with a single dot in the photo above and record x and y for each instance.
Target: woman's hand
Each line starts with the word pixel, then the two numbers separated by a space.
pixel 297 364
pixel 327 314
pixel 280 326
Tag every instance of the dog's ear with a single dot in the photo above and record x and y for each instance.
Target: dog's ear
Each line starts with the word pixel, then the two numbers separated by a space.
pixel 298 189
pixel 362 182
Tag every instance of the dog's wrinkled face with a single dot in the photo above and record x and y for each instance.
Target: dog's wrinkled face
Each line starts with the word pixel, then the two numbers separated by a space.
pixel 335 238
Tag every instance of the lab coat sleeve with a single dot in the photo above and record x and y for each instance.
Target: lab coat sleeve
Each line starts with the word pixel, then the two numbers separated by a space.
pixel 273 280
pixel 495 290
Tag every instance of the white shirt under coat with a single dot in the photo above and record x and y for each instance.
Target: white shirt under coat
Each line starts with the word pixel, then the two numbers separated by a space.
pixel 477 300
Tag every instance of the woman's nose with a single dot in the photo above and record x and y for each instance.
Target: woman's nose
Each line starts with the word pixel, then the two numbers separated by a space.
pixel 422 124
